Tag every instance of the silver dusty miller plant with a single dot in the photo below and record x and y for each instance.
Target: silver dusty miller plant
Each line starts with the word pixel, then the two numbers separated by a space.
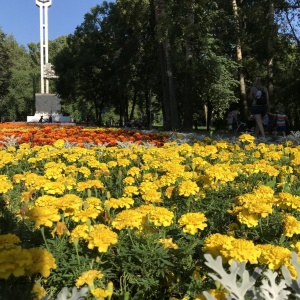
pixel 9 141
pixel 294 136
pixel 75 294
pixel 240 285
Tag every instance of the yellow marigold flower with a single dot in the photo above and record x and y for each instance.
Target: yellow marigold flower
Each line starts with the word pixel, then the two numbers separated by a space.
pixel 101 294
pixel 42 262
pixel 199 162
pixel 192 222
pixel 54 170
pixel 102 237
pixel 71 170
pixel 273 155
pixel 246 138
pixel 123 162
pixel 287 170
pixel 187 188
pixel 84 185
pixel 54 188
pixel 5 184
pixel 27 196
pixel 59 144
pixel 159 216
pixel 130 218
pixel 88 277
pixel 85 215
pixel 84 171
pixel 146 186
pixel 247 218
pixel 292 269
pixel 149 177
pixel 112 164
pixel 14 261
pixel 274 256
pixel 60 229
pixel 69 203
pixel 257 205
pixel 34 181
pixel 47 201
pixel 43 216
pixel 220 173
pixel 80 231
pixel 291 225
pixel 155 164
pixel 134 172
pixel 6 158
pixel 130 190
pixel 169 191
pixel 217 294
pixel 119 203
pixel 69 182
pixel 94 202
pixel 17 178
pixel 167 180
pixel 129 180
pixel 38 292
pixel 152 196
pixel 24 146
pixel 296 246
pixel 264 191
pixel 287 201
pixel 213 244
pixel 240 250
pixel 11 149
pixel 168 243
pixel 9 241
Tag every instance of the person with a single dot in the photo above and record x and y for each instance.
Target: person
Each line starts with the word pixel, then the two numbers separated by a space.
pixel 195 123
pixel 232 120
pixel 281 120
pixel 50 119
pixel 259 110
pixel 41 119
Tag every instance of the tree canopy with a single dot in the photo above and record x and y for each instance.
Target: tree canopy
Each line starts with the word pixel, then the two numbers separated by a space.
pixel 166 60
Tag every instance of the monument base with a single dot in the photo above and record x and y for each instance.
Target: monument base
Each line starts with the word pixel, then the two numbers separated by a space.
pixel 48 105
pixel 56 118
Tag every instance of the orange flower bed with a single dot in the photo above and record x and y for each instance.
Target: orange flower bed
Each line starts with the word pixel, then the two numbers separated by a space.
pixel 40 134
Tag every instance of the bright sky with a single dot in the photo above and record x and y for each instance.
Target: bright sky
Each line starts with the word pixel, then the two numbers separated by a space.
pixel 21 18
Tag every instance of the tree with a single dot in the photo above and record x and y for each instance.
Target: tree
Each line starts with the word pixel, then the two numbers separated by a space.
pixel 18 101
pixel 239 55
pixel 170 105
pixel 5 66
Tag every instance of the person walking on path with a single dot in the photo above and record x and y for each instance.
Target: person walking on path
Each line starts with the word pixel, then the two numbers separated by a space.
pixel 260 105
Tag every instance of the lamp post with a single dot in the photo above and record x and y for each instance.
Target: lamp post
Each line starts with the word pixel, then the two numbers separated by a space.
pixel 44 5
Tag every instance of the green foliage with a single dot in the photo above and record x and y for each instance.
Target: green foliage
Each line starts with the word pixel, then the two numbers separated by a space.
pixel 19 100
pixel 5 65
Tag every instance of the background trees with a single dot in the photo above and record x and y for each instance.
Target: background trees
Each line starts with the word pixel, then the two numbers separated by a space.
pixel 170 60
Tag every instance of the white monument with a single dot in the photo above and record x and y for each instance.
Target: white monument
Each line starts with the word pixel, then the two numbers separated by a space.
pixel 46 104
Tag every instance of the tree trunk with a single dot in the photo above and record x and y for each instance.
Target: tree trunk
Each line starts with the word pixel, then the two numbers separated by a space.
pixel 96 106
pixel 171 121
pixel 271 52
pixel 165 106
pixel 209 110
pixel 148 109
pixel 133 104
pixel 187 100
pixel 239 53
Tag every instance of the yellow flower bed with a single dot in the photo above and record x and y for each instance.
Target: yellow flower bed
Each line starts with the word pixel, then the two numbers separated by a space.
pixel 129 216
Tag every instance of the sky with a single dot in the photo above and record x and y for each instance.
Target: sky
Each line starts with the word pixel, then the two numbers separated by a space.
pixel 21 18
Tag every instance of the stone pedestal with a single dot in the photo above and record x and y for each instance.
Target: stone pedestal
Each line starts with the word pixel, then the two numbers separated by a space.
pixel 46 105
